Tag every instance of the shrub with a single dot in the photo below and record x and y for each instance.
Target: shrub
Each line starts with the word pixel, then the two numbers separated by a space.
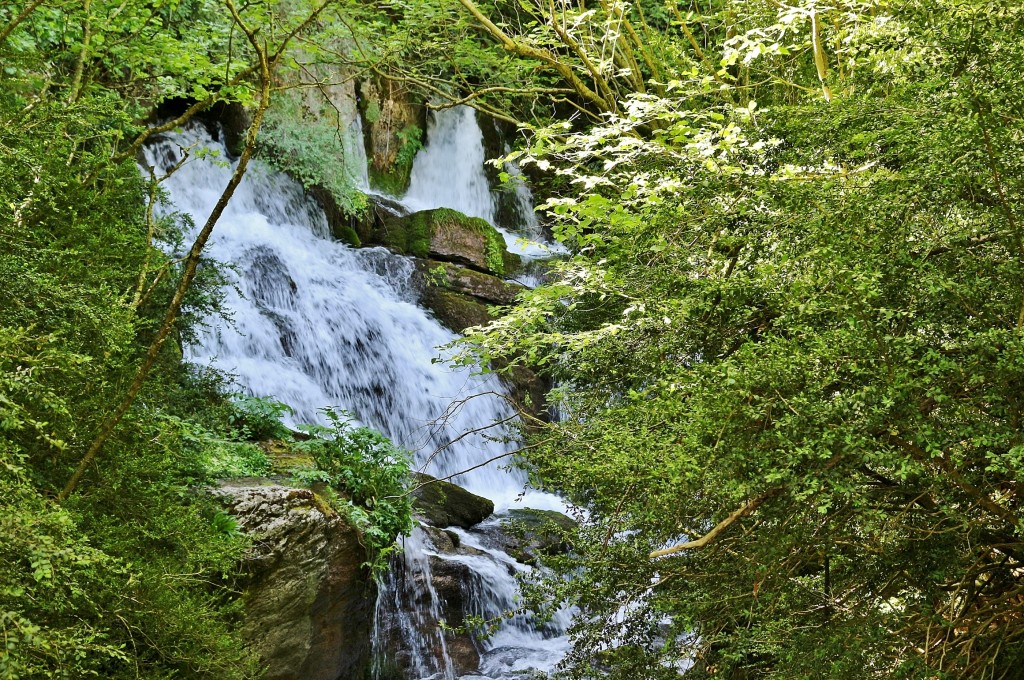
pixel 371 473
pixel 259 418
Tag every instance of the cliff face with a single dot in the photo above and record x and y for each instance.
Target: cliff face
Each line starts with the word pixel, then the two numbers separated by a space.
pixel 308 602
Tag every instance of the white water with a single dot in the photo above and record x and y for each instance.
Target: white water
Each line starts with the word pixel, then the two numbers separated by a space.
pixel 317 324
pixel 448 173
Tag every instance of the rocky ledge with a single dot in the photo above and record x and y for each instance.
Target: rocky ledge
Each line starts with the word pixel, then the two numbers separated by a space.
pixel 308 601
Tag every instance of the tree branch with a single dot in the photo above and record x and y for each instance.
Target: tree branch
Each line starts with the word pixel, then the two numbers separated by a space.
pixel 742 511
pixel 13 24
pixel 529 51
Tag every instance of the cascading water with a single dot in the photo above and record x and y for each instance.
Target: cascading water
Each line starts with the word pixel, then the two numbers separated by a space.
pixel 448 173
pixel 317 324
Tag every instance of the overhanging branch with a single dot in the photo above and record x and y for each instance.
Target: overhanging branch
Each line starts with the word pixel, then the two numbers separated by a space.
pixel 742 511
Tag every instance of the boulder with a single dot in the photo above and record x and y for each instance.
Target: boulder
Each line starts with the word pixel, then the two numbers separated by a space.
pixel 454 310
pixel 344 227
pixel 484 287
pixel 443 504
pixel 458 296
pixel 308 602
pixel 422 623
pixel 448 235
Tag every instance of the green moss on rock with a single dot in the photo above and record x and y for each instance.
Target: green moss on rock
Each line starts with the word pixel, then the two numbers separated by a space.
pixel 451 236
pixel 456 311
pixel 409 235
pixel 393 181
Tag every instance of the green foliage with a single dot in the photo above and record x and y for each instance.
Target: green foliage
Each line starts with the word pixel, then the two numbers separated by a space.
pixel 49 579
pixel 394 179
pixel 411 140
pixel 259 418
pixel 799 319
pixel 370 472
pixel 132 578
pixel 215 455
pixel 315 149
pixel 495 252
pixel 438 276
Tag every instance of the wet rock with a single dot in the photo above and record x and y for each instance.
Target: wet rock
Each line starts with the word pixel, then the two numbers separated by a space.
pixel 527 390
pixel 443 504
pixel 235 121
pixel 527 534
pixel 308 602
pixel 450 581
pixel 355 230
pixel 424 630
pixel 344 227
pixel 454 310
pixel 448 235
pixel 484 287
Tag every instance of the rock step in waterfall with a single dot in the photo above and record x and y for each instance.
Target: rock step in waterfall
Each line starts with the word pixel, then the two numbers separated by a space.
pixel 316 323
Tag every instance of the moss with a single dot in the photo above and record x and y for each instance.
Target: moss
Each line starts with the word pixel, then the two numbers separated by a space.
pixel 456 311
pixel 410 234
pixel 413 234
pixel 347 235
pixel 393 181
pixel 371 112
pixel 496 254
pixel 284 457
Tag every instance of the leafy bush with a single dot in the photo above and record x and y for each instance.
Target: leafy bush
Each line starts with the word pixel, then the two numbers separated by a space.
pixel 259 418
pixel 371 472
pixel 312 150
pixel 47 572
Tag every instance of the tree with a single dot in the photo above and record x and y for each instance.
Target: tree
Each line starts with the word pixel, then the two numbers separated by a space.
pixel 788 350
pixel 90 328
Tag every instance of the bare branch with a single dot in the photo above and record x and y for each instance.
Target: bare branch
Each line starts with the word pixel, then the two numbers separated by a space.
pixel 742 511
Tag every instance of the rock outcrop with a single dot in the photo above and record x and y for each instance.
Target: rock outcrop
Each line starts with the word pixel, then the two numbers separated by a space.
pixel 308 601
pixel 394 129
pixel 484 288
pixel 527 535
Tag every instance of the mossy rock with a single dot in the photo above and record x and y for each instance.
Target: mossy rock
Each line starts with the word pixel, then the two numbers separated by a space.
pixel 450 236
pixel 284 457
pixel 393 181
pixel 443 504
pixel 394 125
pixel 484 287
pixel 455 310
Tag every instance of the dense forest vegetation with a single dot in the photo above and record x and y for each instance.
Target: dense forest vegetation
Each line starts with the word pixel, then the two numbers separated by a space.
pixel 787 345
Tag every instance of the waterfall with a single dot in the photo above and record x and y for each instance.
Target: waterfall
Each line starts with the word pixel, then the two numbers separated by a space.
pixel 315 323
pixel 448 173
